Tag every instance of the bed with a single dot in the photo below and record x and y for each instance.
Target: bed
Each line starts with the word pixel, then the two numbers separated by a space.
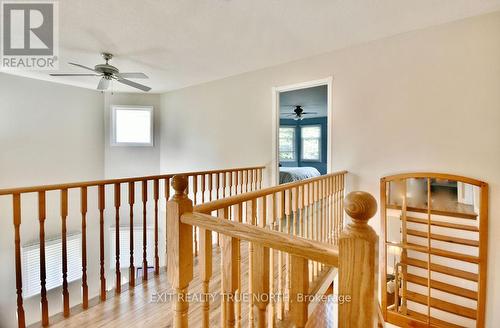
pixel 290 174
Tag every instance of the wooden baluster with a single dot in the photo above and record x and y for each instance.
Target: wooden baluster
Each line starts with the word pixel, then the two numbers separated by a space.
pixel 195 200
pixel 272 303
pixel 64 216
pixel 43 273
pixel 118 287
pixel 101 205
pixel 260 258
pixel 310 224
pixel 16 205
pixel 315 222
pixel 231 183
pixel 205 264
pixel 167 189
pixel 131 200
pixel 210 187
pixel 144 230
pixel 217 197
pixel 245 180
pixel 237 177
pixel 203 190
pixel 179 250
pixel 332 210
pixel 223 184
pixel 260 178
pixel 323 209
pixel 342 179
pixel 321 226
pixel 288 209
pixel 250 179
pixel 217 185
pixel 280 303
pixel 295 205
pixel 337 210
pixel 298 291
pixel 167 197
pixel 156 197
pixel 229 274
pixel 358 247
pixel 251 219
pixel 329 210
pixel 301 211
pixel 238 217
pixel 83 210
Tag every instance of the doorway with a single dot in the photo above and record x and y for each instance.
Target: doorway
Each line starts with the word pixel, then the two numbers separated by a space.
pixel 302 115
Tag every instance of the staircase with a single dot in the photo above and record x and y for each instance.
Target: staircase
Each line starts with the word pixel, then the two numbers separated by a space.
pixel 438 254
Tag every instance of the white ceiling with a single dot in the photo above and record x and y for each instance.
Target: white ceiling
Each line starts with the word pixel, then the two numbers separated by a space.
pixel 313 100
pixel 182 43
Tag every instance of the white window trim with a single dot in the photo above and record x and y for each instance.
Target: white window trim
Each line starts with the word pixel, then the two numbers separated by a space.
pixel 294 159
pixel 114 143
pixel 302 144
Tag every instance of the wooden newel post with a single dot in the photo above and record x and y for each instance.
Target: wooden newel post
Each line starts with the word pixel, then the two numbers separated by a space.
pixel 358 258
pixel 179 250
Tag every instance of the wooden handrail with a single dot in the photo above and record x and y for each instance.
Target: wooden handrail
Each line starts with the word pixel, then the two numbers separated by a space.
pixel 432 175
pixel 248 178
pixel 306 248
pixel 355 256
pixel 93 183
pixel 241 198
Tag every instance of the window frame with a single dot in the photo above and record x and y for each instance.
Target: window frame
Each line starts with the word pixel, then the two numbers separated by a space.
pixel 294 128
pixel 114 142
pixel 320 144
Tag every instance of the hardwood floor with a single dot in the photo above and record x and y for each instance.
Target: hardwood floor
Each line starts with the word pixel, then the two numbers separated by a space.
pixel 148 305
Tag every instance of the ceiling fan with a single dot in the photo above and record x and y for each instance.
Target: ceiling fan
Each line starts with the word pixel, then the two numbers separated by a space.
pixel 298 113
pixel 108 72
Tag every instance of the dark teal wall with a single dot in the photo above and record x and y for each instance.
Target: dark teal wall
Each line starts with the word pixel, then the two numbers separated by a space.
pixel 321 166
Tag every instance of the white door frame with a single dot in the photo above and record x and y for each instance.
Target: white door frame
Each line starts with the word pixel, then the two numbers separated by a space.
pixel 328 81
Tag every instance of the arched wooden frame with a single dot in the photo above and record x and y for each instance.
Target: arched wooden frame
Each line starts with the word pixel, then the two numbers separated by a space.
pixel 403 320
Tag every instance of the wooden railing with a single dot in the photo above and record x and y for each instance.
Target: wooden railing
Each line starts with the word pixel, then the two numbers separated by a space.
pixel 302 223
pixel 202 186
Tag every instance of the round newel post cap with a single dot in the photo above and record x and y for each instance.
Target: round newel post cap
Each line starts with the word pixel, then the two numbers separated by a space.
pixel 179 183
pixel 360 206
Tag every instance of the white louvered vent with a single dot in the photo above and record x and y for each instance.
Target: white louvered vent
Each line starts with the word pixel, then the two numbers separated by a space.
pixel 125 246
pixel 53 264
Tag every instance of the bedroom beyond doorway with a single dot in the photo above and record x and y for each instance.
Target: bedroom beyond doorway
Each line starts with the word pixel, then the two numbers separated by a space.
pixel 303 132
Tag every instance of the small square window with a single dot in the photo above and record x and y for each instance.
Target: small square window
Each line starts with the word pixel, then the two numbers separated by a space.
pixel 132 126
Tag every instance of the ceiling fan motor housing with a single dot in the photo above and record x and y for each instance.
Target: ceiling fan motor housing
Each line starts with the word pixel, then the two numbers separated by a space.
pixel 106 69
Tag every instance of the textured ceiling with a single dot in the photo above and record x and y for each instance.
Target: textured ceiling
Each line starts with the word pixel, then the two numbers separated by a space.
pixel 182 43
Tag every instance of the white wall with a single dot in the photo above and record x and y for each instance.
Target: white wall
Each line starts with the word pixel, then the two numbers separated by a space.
pixel 49 133
pixel 427 100
pixel 131 161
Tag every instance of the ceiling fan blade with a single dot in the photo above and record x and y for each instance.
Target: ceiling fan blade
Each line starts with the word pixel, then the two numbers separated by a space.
pixel 309 113
pixel 132 75
pixel 133 84
pixel 82 66
pixel 103 84
pixel 57 74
